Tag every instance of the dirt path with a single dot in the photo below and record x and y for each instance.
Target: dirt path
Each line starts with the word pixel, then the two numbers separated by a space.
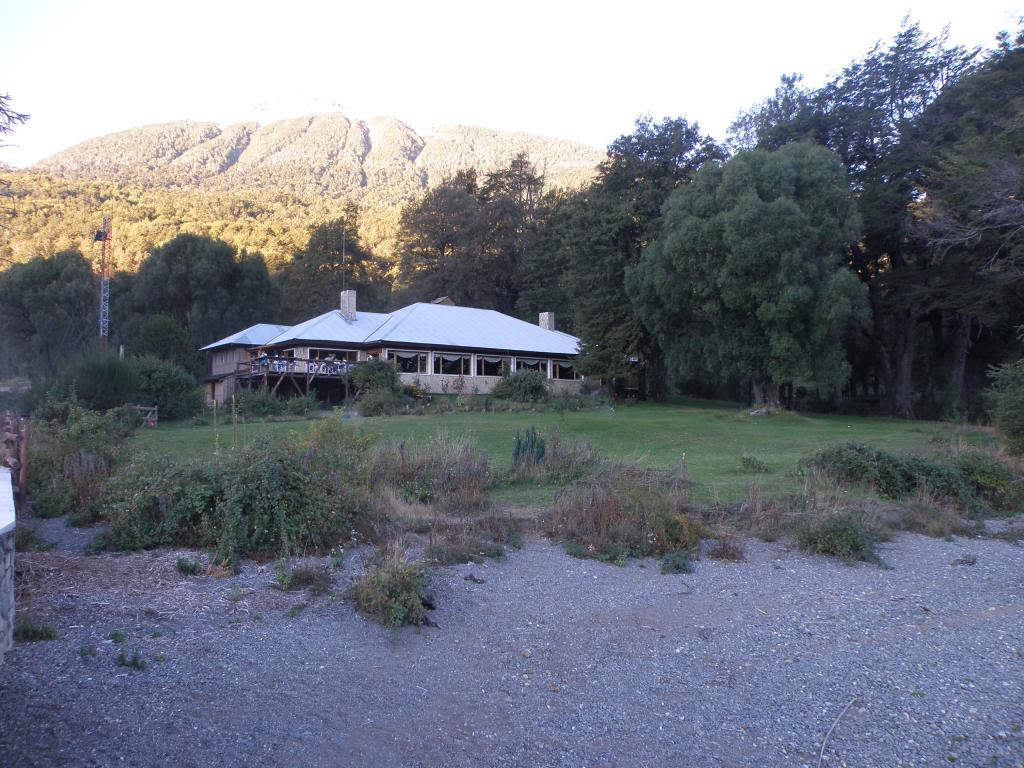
pixel 551 661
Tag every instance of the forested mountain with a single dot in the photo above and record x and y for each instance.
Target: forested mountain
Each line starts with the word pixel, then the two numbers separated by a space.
pixel 259 188
pixel 324 154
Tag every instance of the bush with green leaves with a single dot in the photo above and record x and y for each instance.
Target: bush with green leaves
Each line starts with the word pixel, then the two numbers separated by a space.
pixel 379 402
pixel 522 387
pixel 376 374
pixel 270 499
pixel 623 511
pixel 1007 398
pixel 528 449
pixel 392 590
pixel 73 451
pixel 894 476
pixel 452 472
pixel 168 386
pixel 258 402
pixel 991 480
pixel 844 535
pixel 302 405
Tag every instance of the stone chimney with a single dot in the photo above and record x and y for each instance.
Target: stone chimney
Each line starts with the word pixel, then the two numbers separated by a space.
pixel 547 321
pixel 348 306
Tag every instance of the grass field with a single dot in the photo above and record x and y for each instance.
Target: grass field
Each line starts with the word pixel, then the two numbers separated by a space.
pixel 713 436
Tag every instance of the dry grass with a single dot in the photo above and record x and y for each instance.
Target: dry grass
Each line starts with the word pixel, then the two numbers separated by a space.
pixel 473 541
pixel 448 472
pixel 727 547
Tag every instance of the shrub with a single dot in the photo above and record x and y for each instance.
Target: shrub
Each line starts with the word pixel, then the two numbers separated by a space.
pixel 392 590
pixel 163 337
pixel 135 661
pixel 98 381
pixel 727 547
pixel 258 402
pixel 843 536
pixel 753 464
pixel 28 630
pixel 528 451
pixel 72 453
pixel 624 512
pixel 379 402
pixel 448 471
pixel 1007 398
pixel 990 479
pixel 302 405
pixel 893 476
pixel 676 562
pixel 317 580
pixel 271 498
pixel 472 542
pixel 187 566
pixel 376 374
pixel 28 540
pixel 522 387
pixel 168 386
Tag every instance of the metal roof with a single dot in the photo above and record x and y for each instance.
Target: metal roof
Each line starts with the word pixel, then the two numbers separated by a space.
pixel 253 336
pixel 431 325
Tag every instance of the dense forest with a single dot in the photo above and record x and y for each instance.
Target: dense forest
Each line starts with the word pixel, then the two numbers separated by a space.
pixel 856 247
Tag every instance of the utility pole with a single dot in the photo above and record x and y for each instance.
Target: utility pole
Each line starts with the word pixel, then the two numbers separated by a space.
pixel 103 236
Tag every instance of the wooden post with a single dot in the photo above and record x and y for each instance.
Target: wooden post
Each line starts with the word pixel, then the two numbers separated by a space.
pixel 26 430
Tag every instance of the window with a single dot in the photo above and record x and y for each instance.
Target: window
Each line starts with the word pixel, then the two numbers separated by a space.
pixel 491 366
pixel 563 369
pixel 349 355
pixel 408 362
pixel 451 364
pixel 531 364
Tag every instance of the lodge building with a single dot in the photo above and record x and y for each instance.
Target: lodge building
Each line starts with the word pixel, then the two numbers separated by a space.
pixel 438 346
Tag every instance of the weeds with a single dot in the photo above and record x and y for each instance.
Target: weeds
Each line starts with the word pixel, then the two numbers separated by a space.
pixel 472 542
pixel 117 636
pixel 676 562
pixel 446 471
pixel 188 567
pixel 295 610
pixel 392 590
pixel 135 661
pixel 87 651
pixel 28 630
pixel 753 464
pixel 28 540
pixel 726 547
pixel 316 580
pixel 843 536
pixel 625 512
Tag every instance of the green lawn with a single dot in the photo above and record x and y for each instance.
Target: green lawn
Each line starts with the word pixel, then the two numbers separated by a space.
pixel 712 435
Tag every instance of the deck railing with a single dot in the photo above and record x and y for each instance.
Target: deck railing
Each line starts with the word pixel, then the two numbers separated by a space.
pixel 292 365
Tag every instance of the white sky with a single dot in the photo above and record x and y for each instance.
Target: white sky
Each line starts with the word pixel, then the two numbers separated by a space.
pixel 575 70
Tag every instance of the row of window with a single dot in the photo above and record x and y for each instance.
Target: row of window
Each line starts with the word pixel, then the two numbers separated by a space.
pixel 452 364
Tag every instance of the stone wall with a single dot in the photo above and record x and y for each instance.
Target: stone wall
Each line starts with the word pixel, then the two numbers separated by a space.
pixel 6 562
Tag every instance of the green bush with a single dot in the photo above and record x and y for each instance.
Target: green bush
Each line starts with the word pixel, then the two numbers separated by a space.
pixel 843 536
pixel 676 562
pixel 163 337
pixel 98 381
pixel 392 590
pixel 376 374
pixel 990 480
pixel 268 499
pixel 28 630
pixel 1007 398
pixel 258 402
pixel 168 386
pixel 893 476
pixel 522 387
pixel 302 405
pixel 528 450
pixel 622 512
pixel 73 452
pixel 379 402
pixel 446 471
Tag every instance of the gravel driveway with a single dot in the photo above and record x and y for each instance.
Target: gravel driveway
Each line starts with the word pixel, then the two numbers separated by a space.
pixel 551 661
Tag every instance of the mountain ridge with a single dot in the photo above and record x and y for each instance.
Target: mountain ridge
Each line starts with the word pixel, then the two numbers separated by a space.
pixel 382 160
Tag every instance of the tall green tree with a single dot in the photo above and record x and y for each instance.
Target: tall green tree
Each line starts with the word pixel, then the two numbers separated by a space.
pixel 609 227
pixel 335 259
pixel 48 312
pixel 205 287
pixel 865 115
pixel 747 276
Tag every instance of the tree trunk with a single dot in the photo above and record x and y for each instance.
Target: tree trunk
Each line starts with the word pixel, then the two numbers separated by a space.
pixel 958 360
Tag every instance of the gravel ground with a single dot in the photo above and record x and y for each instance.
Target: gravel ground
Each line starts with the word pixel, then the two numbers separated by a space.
pixel 551 661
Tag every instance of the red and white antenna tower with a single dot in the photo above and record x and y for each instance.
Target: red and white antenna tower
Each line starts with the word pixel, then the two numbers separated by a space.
pixel 104 236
